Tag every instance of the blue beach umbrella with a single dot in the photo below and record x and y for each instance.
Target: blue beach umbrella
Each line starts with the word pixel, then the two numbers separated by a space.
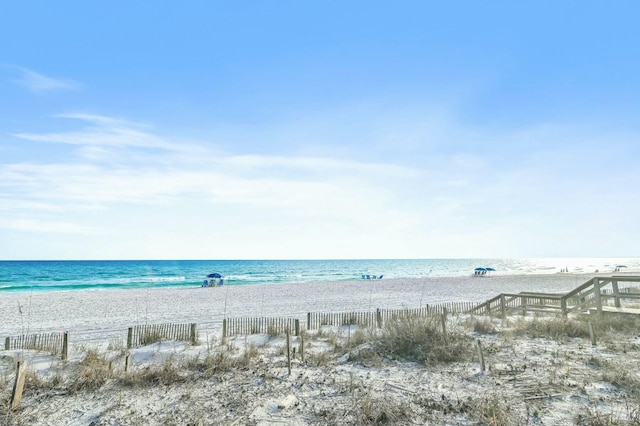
pixel 214 275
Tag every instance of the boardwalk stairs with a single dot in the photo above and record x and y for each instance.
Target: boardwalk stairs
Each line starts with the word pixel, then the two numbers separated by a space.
pixel 601 294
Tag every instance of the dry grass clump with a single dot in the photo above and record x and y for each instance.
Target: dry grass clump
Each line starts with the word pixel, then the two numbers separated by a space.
pixel 492 409
pixel 626 324
pixel 482 325
pixel 422 340
pixel 165 374
pixel 621 377
pixel 367 409
pixel 219 362
pixel 371 410
pixel 91 373
pixel 318 359
pixel 555 328
pixel 593 416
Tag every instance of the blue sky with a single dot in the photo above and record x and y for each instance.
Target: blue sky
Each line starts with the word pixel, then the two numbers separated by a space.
pixel 288 129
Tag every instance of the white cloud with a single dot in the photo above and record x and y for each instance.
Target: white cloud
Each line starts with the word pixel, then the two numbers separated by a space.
pixel 132 181
pixel 40 83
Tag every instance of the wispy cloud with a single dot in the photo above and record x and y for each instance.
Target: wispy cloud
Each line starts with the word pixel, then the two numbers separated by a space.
pixel 40 83
pixel 103 131
pixel 112 173
pixel 129 178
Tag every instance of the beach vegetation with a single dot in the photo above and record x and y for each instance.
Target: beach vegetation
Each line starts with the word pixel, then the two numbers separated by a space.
pixel 562 366
pixel 593 415
pixel 555 328
pixel 319 358
pixel 91 372
pixel 620 376
pixel 369 409
pixel 117 345
pixel 422 339
pixel 251 351
pixel 481 325
pixel 625 324
pixel 167 373
pixel 490 409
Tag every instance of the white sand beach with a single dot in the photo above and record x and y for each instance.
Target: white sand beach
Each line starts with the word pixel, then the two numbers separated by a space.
pixel 103 314
pixel 528 380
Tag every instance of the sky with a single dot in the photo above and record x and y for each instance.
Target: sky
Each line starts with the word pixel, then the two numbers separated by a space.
pixel 319 129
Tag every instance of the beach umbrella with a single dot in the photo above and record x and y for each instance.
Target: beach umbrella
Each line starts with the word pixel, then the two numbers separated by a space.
pixel 480 271
pixel 214 275
pixel 489 269
pixel 621 266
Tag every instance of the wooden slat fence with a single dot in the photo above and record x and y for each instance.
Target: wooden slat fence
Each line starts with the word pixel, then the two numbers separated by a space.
pixel 376 319
pixel 316 320
pixel 47 342
pixel 428 310
pixel 455 307
pixel 141 335
pixel 260 325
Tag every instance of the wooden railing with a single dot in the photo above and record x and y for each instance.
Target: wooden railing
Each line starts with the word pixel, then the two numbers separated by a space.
pixel 592 294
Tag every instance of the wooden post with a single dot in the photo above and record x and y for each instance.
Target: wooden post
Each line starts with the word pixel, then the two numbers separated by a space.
pixel 379 318
pixel 297 326
pixel 18 385
pixel 288 352
pixel 563 306
pixel 224 330
pixel 616 292
pixel 65 345
pixel 302 348
pixel 592 334
pixel 503 307
pixel 126 363
pixel 129 337
pixel 480 355
pixel 596 293
pixel 308 320
pixel 7 343
pixel 194 334
pixel 523 304
pixel 443 319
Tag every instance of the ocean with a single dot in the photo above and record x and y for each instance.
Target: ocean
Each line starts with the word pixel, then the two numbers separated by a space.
pixel 42 276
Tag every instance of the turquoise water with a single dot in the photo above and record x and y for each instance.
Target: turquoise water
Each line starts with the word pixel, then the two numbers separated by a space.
pixel 82 275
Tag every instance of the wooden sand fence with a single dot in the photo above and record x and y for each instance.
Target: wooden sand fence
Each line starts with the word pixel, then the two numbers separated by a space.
pixel 260 325
pixel 54 343
pixel 427 311
pixel 376 319
pixel 316 320
pixel 141 335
